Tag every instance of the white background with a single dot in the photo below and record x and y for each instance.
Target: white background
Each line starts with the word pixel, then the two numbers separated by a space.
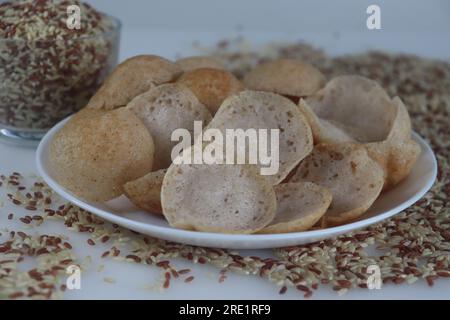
pixel 415 26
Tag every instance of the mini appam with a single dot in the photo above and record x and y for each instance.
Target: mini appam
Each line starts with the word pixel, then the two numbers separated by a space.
pixel 356 105
pixel 197 62
pixel 322 130
pixel 145 192
pixel 94 156
pixel 354 179
pixel 299 207
pixel 265 110
pixel 357 109
pixel 217 198
pixel 131 78
pixel 290 77
pixel 164 109
pixel 211 86
pixel 398 153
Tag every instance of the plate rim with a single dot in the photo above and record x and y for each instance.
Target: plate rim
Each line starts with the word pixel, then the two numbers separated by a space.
pixel 248 238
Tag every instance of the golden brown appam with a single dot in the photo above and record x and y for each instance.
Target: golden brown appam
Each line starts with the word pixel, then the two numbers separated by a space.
pixel 299 207
pixel 164 109
pixel 145 192
pixel 93 156
pixel 211 86
pixel 131 78
pixel 197 62
pixel 217 198
pixel 290 77
pixel 354 179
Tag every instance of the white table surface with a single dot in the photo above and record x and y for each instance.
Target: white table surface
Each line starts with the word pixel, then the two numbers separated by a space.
pixel 133 278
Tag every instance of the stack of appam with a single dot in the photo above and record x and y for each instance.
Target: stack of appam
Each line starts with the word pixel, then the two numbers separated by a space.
pixel 341 143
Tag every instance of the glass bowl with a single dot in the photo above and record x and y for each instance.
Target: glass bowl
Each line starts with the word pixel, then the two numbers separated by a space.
pixel 44 81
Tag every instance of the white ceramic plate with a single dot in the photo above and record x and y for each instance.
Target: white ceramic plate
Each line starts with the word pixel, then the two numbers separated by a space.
pixel 122 212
